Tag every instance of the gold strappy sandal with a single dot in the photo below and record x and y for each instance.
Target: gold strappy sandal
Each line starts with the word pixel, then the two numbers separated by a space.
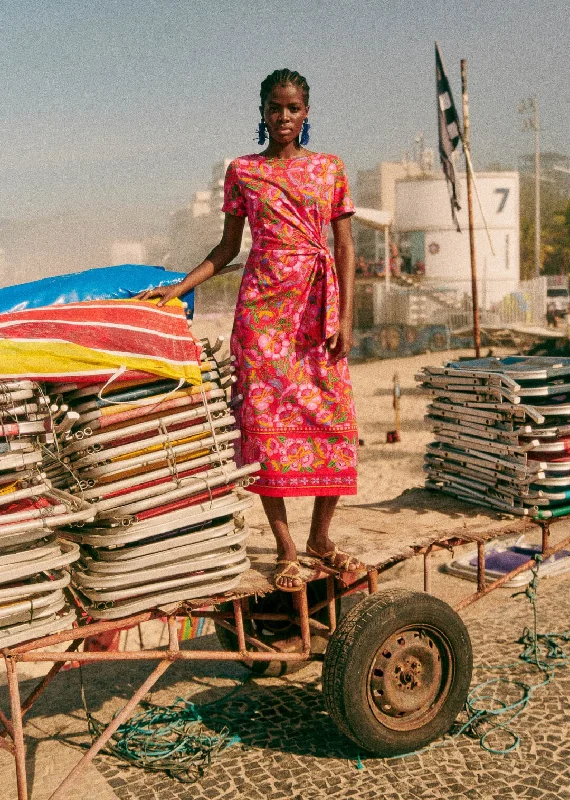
pixel 336 559
pixel 287 573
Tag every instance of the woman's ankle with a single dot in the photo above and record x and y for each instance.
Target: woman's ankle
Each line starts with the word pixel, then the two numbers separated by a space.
pixel 321 544
pixel 286 552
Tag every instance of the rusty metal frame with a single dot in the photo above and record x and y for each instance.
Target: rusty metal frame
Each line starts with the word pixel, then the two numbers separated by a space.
pixel 484 588
pixel 338 585
pixel 39 650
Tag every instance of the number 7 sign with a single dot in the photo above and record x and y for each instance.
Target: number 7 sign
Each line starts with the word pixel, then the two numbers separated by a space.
pixel 505 193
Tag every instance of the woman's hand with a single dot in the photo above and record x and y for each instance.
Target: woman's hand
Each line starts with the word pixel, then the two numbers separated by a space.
pixel 165 293
pixel 340 343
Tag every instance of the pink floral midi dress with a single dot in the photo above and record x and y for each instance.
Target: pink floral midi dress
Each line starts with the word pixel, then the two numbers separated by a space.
pixel 297 415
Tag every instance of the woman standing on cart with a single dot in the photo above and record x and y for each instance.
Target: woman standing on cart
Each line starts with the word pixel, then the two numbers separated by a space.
pixel 293 321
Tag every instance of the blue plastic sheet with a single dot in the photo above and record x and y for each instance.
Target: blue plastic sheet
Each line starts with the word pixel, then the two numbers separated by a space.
pixel 102 283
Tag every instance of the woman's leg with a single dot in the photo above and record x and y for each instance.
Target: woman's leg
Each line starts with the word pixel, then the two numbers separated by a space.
pixel 319 540
pixel 276 514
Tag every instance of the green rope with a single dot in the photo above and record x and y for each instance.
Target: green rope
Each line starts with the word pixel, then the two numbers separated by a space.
pixel 540 650
pixel 172 739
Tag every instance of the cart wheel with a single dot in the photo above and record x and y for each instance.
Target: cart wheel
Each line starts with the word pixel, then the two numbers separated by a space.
pixel 286 635
pixel 397 671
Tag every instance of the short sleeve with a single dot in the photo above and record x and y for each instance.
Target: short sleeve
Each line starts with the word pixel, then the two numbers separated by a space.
pixel 234 201
pixel 342 202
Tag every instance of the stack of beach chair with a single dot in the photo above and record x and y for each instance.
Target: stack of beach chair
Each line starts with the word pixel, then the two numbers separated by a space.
pixel 156 460
pixel 501 433
pixel 32 558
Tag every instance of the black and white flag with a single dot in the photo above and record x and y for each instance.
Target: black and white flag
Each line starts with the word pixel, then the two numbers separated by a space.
pixel 449 132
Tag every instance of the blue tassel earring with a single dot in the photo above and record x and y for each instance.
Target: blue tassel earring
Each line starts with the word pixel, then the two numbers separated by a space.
pixel 261 133
pixel 305 133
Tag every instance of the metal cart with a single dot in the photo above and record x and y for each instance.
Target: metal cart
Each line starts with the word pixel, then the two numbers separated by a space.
pixel 396 667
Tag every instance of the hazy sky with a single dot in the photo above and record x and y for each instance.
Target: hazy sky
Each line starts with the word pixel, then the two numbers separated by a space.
pixel 108 105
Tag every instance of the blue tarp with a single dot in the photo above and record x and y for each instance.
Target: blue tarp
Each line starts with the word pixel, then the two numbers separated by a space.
pixel 102 283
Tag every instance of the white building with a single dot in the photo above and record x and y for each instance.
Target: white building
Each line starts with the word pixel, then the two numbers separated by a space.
pixel 430 243
pixel 376 188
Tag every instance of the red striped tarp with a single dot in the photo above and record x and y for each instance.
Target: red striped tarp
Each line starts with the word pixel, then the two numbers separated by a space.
pixel 88 341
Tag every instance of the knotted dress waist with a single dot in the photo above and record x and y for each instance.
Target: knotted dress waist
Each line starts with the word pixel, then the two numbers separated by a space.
pixel 320 279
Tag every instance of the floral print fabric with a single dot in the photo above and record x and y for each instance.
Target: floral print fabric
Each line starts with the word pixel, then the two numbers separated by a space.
pixel 297 415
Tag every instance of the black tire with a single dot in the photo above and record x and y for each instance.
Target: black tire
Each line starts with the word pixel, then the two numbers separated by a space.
pixel 397 671
pixel 272 633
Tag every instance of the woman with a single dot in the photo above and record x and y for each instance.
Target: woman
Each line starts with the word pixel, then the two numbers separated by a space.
pixel 293 321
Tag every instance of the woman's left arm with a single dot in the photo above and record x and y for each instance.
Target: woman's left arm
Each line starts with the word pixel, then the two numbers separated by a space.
pixel 339 345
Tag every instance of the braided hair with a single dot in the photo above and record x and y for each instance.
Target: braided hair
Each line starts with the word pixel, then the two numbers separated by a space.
pixel 281 77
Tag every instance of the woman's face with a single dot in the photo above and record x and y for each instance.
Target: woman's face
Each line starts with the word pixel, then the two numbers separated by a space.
pixel 284 112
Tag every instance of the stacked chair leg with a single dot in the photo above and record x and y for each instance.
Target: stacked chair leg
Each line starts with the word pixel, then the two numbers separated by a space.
pixel 157 462
pixel 502 433
pixel 33 560
pixel 128 495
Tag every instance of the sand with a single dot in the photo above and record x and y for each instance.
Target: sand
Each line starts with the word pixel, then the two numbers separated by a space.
pixel 385 469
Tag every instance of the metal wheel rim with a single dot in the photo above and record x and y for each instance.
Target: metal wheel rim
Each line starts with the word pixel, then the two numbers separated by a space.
pixel 410 677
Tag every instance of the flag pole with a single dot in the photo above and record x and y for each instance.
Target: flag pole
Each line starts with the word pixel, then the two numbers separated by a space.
pixel 472 172
pixel 469 176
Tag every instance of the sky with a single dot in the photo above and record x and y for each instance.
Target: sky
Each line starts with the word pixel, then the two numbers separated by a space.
pixel 113 112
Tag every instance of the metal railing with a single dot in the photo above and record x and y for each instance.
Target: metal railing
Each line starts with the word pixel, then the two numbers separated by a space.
pixel 425 304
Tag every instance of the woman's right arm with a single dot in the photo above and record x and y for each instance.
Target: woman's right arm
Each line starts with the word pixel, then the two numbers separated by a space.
pixel 222 254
